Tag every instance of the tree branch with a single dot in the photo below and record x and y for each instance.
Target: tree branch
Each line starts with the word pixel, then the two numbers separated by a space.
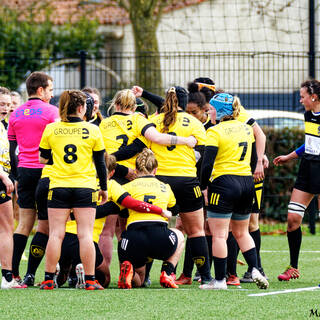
pixel 124 4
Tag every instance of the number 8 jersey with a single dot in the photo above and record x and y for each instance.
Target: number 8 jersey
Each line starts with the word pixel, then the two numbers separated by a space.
pixel 234 142
pixel 72 145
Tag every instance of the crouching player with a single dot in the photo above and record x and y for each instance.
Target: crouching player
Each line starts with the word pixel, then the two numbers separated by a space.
pixel 147 236
pixel 70 254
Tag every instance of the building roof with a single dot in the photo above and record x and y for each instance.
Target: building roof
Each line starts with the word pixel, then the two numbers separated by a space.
pixel 106 11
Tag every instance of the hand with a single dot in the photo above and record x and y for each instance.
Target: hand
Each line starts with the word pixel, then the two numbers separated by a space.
pixel 191 141
pixel 166 214
pixel 137 91
pixel 205 196
pixel 8 183
pixel 280 160
pixel 258 172
pixel 265 162
pixel 103 195
pixel 131 175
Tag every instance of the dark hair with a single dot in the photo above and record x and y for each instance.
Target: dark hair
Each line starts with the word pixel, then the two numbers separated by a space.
pixel 37 80
pixel 206 91
pixel 312 87
pixel 5 91
pixel 195 96
pixel 69 101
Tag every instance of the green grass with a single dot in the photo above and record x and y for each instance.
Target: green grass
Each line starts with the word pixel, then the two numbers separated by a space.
pixel 187 302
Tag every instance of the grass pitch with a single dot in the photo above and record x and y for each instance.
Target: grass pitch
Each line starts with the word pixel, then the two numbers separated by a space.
pixel 187 302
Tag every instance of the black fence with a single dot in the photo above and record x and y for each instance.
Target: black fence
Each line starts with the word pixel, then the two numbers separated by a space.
pixel 266 82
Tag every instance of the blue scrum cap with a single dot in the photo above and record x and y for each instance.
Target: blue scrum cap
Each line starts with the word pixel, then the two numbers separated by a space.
pixel 222 102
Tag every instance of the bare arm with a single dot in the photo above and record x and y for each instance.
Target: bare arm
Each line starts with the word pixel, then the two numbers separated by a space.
pixel 280 160
pixel 260 147
pixel 154 135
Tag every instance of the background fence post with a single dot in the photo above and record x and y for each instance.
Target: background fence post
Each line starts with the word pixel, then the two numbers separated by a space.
pixel 83 67
pixel 312 65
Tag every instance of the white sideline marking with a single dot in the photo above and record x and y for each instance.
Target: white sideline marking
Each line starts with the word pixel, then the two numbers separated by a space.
pixel 285 251
pixel 282 291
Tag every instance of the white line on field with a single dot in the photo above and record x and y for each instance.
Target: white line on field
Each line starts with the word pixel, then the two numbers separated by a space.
pixel 282 291
pixel 285 251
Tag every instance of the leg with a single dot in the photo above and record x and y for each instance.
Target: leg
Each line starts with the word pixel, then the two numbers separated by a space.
pixel 298 203
pixel 6 244
pixel 106 238
pixel 57 225
pixel 193 223
pixel 26 221
pixel 85 221
pixel 219 229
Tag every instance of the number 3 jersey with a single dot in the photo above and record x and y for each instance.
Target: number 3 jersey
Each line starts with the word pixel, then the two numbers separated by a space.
pixel 178 160
pixel 122 129
pixel 149 189
pixel 72 145
pixel 234 142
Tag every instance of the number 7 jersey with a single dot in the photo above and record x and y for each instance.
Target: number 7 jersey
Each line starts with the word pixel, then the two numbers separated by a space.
pixel 72 145
pixel 234 142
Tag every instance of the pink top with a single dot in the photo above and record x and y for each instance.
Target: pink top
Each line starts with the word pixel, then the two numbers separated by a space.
pixel 26 125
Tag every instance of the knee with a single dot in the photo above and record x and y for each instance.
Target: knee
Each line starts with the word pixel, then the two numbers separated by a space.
pixel 295 214
pixel 238 234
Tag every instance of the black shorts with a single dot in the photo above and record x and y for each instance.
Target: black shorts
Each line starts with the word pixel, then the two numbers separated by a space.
pixel 28 179
pixel 258 196
pixel 70 251
pixel 42 198
pixel 145 240
pixel 231 193
pixel 308 179
pixel 3 193
pixel 186 190
pixel 68 198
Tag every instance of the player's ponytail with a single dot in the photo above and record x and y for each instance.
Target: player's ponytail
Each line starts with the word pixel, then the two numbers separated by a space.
pixel 236 107
pixel 146 162
pixel 69 101
pixel 170 109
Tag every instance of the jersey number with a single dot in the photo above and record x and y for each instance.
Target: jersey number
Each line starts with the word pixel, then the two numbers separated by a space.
pixel 124 139
pixel 172 147
pixel 244 151
pixel 148 199
pixel 70 156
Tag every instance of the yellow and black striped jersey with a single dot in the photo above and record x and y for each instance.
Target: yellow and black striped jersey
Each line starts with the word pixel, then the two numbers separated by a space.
pixel 234 142
pixel 122 129
pixel 178 160
pixel 72 145
pixel 4 150
pixel 149 189
pixel 115 191
pixel 312 136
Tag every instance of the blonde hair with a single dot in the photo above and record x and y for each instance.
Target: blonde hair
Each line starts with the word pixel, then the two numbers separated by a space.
pixel 170 109
pixel 111 161
pixel 69 101
pixel 125 99
pixel 146 162
pixel 236 104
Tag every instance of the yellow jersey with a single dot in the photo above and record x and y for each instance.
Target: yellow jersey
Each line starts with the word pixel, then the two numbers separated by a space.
pixel 122 129
pixel 178 160
pixel 245 117
pixel 4 150
pixel 72 145
pixel 149 189
pixel 234 142
pixel 115 191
